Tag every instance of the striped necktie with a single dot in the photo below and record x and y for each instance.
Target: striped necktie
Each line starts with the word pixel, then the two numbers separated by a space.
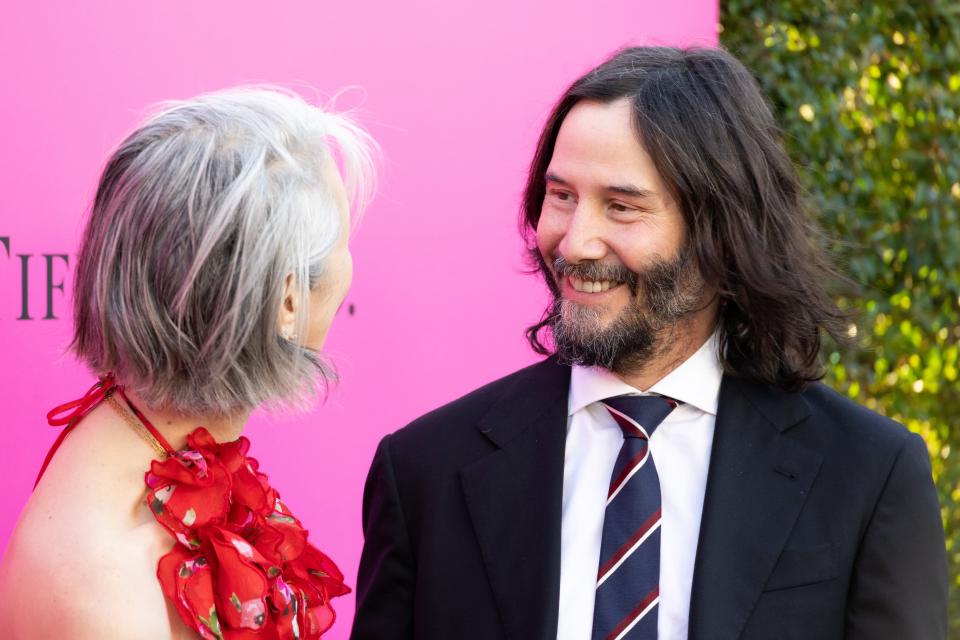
pixel 628 581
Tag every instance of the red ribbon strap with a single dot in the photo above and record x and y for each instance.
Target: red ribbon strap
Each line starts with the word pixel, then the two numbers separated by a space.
pixel 69 413
pixel 82 406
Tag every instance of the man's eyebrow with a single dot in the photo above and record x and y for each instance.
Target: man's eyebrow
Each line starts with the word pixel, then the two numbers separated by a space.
pixel 621 189
pixel 630 191
pixel 552 177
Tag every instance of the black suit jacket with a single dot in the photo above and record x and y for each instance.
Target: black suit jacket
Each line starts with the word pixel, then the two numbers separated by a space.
pixel 820 521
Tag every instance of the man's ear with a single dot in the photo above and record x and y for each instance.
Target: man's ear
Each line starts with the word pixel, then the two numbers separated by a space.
pixel 289 306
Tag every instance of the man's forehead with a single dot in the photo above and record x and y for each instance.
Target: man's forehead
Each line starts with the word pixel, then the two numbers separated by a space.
pixel 597 144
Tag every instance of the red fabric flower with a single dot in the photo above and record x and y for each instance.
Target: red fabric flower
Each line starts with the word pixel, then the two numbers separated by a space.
pixel 242 567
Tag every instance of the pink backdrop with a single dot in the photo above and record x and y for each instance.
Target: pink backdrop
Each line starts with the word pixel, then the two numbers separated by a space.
pixel 456 93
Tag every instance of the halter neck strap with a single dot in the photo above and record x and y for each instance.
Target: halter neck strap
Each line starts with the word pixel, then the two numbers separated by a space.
pixel 68 414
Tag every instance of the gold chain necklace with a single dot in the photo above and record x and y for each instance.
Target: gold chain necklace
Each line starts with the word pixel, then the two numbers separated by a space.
pixel 137 426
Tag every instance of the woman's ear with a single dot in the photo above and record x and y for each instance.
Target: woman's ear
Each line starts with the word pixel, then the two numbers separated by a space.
pixel 289 306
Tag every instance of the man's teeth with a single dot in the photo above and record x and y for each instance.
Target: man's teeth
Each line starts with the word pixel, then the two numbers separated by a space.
pixel 591 286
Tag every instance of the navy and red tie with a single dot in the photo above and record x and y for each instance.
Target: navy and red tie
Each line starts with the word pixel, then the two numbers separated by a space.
pixel 628 581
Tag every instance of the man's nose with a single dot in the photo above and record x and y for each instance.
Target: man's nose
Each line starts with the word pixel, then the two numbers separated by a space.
pixel 583 239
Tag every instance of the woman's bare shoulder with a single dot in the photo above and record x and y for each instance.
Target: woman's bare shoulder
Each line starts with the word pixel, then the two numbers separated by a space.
pixel 73 566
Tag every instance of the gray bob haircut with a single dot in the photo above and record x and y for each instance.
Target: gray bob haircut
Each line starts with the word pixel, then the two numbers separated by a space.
pixel 200 216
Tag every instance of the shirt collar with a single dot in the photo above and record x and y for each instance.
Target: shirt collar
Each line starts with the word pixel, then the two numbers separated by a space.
pixel 696 382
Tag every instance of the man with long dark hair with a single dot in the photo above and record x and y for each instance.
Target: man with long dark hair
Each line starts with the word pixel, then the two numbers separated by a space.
pixel 673 469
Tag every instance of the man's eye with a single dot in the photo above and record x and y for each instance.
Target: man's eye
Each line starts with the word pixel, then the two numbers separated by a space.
pixel 619 207
pixel 562 196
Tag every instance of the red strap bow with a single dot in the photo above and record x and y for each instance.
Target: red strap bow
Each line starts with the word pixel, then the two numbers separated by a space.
pixel 69 413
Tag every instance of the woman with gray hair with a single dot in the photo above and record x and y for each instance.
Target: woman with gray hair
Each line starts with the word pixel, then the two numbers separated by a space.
pixel 211 267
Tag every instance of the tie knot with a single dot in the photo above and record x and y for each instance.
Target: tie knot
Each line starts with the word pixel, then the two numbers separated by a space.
pixel 639 416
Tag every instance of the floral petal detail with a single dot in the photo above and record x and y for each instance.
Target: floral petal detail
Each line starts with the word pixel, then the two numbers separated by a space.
pixel 242 568
pixel 212 623
pixel 249 491
pixel 238 576
pixel 187 580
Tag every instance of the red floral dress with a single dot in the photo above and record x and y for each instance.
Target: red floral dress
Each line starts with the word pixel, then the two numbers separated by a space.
pixel 241 566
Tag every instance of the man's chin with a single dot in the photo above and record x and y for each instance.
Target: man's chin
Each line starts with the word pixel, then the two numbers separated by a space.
pixel 587 337
pixel 587 317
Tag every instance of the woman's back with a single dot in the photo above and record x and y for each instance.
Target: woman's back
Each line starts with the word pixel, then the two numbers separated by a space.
pixel 84 554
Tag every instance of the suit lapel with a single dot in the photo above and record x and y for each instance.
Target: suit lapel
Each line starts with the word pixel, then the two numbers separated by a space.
pixel 514 497
pixel 756 486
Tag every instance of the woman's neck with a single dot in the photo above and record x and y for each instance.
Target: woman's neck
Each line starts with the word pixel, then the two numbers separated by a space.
pixel 175 426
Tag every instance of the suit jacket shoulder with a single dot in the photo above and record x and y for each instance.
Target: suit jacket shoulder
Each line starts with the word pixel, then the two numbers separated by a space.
pixel 492 413
pixel 826 421
pixel 868 443
pixel 817 509
pixel 839 410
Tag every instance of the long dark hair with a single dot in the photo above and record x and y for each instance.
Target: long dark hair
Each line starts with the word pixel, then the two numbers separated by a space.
pixel 702 118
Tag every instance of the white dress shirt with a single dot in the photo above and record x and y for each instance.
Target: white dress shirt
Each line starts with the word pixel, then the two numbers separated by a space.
pixel 681 450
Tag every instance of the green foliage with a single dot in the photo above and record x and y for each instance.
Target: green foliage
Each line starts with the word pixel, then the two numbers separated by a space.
pixel 868 95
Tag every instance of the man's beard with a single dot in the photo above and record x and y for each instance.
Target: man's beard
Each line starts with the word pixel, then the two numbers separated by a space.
pixel 660 296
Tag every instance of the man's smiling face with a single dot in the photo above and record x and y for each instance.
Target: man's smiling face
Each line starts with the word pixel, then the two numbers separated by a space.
pixel 613 241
